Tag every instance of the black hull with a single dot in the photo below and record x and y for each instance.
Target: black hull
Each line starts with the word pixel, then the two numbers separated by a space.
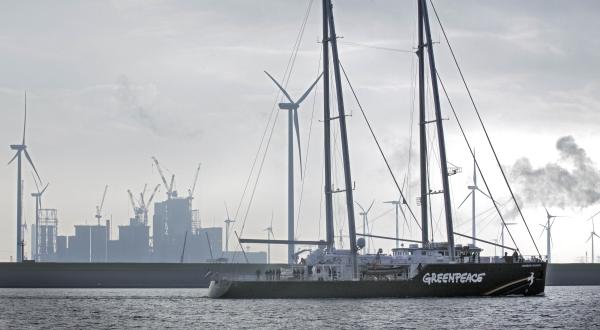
pixel 498 280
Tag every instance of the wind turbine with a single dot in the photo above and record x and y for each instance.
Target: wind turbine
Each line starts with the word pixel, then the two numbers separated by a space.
pixel 592 234
pixel 365 215
pixel 292 107
pixel 20 150
pixel 38 205
pixel 269 231
pixel 397 204
pixel 474 189
pixel 548 228
pixel 228 221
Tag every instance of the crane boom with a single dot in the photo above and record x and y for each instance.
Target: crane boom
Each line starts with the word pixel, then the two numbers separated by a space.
pixel 152 196
pixel 162 176
pixel 132 201
pixel 103 197
pixel 195 181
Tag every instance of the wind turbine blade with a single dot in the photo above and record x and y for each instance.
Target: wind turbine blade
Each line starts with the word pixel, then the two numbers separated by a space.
pixel 542 233
pixel 464 200
pixel 369 209
pixel 46 187
pixel 547 213
pixel 280 87
pixel 297 128
pixel 15 156
pixel 357 203
pixel 596 235
pixel 589 238
pixel 25 119
pixel 484 194
pixel 226 210
pixel 308 90
pixel 31 162
pixel 37 187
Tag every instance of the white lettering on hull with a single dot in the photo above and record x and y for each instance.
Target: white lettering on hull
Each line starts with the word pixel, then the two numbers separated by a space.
pixel 454 278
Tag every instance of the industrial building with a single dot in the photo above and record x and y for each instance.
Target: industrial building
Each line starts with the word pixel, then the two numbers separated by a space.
pixel 177 236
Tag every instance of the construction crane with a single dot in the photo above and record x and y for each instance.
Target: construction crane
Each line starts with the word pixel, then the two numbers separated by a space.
pixel 191 191
pixel 168 187
pixel 99 208
pixel 145 204
pixel 140 209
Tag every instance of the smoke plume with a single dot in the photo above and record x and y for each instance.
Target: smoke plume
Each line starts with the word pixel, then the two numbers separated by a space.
pixel 573 180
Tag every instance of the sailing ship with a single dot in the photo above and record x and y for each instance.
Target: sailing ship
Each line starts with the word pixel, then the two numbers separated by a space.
pixel 424 268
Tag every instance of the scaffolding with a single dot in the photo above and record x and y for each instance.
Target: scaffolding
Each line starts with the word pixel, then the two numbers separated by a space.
pixel 196 224
pixel 46 240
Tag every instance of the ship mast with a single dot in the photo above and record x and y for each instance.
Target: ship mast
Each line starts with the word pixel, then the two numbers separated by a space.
pixel 343 136
pixel 424 23
pixel 327 132
pixel 422 132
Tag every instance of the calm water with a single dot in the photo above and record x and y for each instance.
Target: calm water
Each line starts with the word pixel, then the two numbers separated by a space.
pixel 561 307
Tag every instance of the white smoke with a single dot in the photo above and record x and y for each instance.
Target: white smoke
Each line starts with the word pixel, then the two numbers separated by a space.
pixel 573 180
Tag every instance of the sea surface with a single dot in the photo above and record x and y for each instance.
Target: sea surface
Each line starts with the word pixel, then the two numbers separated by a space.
pixel 561 307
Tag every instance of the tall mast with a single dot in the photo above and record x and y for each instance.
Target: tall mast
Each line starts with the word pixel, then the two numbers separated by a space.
pixel 327 132
pixel 440 133
pixel 422 132
pixel 343 138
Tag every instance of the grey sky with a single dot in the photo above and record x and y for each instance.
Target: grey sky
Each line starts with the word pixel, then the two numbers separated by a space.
pixel 112 83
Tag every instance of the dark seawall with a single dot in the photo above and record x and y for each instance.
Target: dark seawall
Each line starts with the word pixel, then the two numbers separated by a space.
pixel 118 275
pixel 573 274
pixel 191 275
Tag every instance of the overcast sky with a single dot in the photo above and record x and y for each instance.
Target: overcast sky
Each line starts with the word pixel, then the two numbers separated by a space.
pixel 112 83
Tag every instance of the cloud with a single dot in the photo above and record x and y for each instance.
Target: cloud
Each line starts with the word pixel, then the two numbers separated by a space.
pixel 573 180
pixel 138 104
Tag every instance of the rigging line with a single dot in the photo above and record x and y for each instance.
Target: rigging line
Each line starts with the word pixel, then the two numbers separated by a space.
pixel 484 129
pixel 289 66
pixel 305 169
pixel 475 160
pixel 377 47
pixel 291 63
pixel 377 143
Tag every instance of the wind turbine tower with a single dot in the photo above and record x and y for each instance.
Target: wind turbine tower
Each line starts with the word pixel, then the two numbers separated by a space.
pixel 292 107
pixel 38 205
pixel 474 189
pixel 365 215
pixel 228 222
pixel 592 234
pixel 548 228
pixel 20 150
pixel 397 204
pixel 269 231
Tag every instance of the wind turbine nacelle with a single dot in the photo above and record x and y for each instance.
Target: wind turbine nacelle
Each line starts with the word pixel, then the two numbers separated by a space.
pixel 287 106
pixel 17 146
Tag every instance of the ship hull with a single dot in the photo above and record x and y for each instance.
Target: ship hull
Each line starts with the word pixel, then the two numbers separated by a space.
pixel 450 280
